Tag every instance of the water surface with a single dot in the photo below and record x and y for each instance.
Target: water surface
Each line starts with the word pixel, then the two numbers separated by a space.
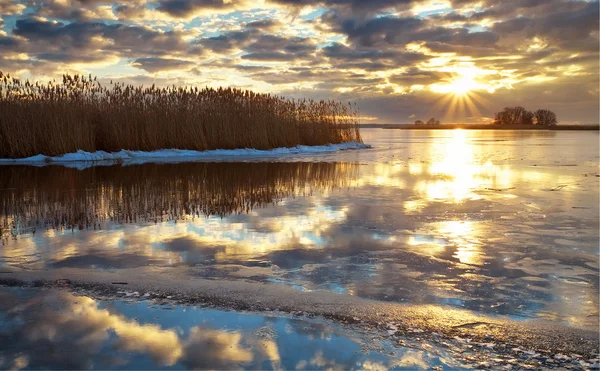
pixel 499 222
pixel 58 330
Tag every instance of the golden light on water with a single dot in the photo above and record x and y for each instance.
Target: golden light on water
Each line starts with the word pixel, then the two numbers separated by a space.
pixel 462 234
pixel 459 172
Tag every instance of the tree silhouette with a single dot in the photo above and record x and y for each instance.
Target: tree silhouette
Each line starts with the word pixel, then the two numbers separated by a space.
pixel 514 116
pixel 545 117
pixel 419 122
pixel 433 121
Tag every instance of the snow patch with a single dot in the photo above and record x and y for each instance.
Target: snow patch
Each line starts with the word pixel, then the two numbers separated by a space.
pixel 177 155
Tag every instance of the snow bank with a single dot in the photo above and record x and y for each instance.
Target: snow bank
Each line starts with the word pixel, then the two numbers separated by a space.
pixel 177 155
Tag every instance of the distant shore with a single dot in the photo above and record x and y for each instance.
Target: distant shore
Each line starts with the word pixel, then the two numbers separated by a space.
pixel 481 127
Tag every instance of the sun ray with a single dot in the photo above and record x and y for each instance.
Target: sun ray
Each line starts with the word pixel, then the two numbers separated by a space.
pixel 460 96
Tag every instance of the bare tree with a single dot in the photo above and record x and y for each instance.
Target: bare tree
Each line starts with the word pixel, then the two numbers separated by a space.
pixel 545 117
pixel 514 116
pixel 433 121
pixel 419 122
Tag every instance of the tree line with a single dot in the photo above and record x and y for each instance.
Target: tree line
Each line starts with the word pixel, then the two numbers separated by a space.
pixel 431 121
pixel 520 116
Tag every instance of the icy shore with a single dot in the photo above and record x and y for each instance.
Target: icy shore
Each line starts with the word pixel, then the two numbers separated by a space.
pixel 176 155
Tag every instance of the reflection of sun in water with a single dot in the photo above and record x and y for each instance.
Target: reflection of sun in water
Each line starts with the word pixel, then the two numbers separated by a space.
pixel 456 172
pixel 460 175
pixel 462 233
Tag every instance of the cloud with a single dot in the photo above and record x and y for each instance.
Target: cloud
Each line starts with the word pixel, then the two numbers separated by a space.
pixel 415 76
pixel 192 8
pixel 352 49
pixel 11 7
pixel 161 64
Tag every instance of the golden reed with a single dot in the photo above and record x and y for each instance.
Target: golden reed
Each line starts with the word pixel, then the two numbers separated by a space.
pixel 82 114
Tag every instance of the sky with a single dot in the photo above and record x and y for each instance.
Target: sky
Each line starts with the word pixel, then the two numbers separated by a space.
pixel 400 60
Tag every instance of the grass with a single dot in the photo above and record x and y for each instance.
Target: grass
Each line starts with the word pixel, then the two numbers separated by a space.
pixel 65 198
pixel 81 114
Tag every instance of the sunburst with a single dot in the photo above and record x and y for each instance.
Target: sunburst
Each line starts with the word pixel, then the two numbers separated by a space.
pixel 461 96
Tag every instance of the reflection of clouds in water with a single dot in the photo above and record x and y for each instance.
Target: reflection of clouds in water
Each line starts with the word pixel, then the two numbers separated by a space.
pixel 382 175
pixel 169 243
pixel 66 332
pixel 214 349
pixel 56 330
pixel 319 361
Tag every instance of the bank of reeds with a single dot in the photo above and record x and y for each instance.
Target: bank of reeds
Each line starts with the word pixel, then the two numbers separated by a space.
pixel 80 113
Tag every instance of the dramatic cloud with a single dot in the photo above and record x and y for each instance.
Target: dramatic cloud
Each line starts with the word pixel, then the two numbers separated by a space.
pixel 161 64
pixel 458 60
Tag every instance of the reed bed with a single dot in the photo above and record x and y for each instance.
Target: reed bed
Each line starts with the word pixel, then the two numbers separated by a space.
pixel 64 198
pixel 80 113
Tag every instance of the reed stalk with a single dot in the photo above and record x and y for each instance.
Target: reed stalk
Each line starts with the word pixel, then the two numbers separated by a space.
pixel 80 113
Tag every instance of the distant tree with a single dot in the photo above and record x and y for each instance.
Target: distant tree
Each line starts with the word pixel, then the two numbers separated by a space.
pixel 419 122
pixel 545 117
pixel 514 116
pixel 433 121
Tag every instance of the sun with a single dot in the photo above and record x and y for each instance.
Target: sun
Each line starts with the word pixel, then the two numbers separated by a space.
pixel 459 96
pixel 461 85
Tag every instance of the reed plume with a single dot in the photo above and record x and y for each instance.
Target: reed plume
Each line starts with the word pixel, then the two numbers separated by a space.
pixel 80 113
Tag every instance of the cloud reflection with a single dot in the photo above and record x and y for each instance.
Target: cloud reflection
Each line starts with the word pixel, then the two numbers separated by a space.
pixel 63 331
pixel 48 329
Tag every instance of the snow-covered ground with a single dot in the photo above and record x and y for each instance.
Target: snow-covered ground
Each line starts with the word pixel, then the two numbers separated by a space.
pixel 176 155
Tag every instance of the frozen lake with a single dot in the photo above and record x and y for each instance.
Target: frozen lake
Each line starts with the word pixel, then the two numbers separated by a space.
pixel 499 223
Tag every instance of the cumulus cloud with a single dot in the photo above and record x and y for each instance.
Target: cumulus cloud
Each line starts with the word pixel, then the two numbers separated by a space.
pixel 376 52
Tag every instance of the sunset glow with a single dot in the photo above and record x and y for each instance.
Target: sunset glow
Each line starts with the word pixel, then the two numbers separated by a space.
pixel 393 59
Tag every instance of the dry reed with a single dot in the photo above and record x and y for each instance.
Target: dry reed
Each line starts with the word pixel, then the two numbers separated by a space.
pixel 81 114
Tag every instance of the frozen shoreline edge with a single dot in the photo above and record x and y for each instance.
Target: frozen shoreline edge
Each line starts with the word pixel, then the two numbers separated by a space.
pixel 176 155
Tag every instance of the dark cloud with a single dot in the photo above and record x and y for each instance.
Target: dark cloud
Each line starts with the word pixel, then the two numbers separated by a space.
pixel 130 11
pixel 185 8
pixel 226 42
pixel 265 25
pixel 566 29
pixel 271 47
pixel 415 76
pixel 51 40
pixel 353 6
pixel 337 51
pixel 9 43
pixel 259 46
pixel 161 64
pixel 382 31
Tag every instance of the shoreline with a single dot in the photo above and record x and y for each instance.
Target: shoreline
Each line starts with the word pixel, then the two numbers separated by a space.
pixel 483 127
pixel 421 320
pixel 132 157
